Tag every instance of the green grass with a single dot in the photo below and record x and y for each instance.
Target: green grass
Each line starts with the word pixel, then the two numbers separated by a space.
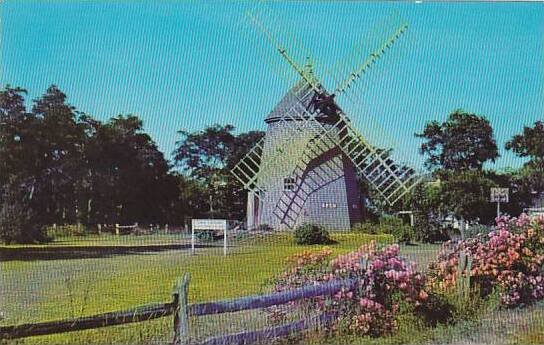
pixel 39 288
pixel 532 332
pixel 60 288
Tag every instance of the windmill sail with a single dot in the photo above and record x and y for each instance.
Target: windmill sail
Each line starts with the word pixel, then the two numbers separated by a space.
pixel 387 177
pixel 259 164
pixel 316 140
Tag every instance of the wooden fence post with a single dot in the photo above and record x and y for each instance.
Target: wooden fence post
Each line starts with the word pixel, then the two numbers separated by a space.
pixel 464 268
pixel 181 315
pixel 117 229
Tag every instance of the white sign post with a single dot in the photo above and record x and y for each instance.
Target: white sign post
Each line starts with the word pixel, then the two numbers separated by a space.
pixel 209 224
pixel 499 195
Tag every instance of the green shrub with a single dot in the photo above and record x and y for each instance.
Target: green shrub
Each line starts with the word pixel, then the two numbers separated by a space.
pixel 403 233
pixel 429 229
pixel 311 234
pixel 367 228
pixel 387 225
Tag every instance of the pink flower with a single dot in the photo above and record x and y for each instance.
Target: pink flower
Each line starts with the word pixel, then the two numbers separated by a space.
pixel 423 295
pixel 378 264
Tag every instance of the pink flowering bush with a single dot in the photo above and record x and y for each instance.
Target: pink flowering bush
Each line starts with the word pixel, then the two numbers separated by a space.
pixel 385 282
pixel 510 260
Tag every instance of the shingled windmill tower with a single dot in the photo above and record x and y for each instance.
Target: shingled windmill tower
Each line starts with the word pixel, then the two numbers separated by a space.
pixel 320 186
pixel 305 168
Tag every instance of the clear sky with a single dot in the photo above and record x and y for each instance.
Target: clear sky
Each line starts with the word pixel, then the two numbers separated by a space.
pixel 186 65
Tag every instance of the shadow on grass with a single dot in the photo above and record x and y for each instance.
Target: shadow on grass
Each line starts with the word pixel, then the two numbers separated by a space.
pixel 87 252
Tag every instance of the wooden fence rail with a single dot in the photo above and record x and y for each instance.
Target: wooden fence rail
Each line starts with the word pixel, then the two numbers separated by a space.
pixel 143 313
pixel 182 311
pixel 270 333
pixel 264 301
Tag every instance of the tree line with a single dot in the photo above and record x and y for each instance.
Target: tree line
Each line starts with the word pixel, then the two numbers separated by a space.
pixel 59 165
pixel 459 185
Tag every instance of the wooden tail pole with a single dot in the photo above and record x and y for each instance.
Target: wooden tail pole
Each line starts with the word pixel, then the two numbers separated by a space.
pixel 181 314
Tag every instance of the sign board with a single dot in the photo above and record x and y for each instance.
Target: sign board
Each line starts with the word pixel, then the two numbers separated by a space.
pixel 535 211
pixel 499 195
pixel 209 224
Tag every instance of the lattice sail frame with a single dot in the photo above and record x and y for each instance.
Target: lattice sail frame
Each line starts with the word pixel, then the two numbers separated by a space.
pixel 392 181
pixel 252 168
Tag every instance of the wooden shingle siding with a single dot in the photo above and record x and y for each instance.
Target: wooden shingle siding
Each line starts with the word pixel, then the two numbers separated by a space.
pixel 326 190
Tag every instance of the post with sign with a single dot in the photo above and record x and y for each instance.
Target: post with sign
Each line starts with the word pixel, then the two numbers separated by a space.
pixel 499 195
pixel 209 224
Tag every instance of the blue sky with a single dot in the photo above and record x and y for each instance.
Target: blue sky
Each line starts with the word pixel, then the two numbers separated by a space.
pixel 186 65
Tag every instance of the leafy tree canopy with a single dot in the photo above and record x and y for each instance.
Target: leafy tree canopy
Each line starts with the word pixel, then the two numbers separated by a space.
pixel 216 148
pixel 207 156
pixel 463 142
pixel 59 165
pixel 530 144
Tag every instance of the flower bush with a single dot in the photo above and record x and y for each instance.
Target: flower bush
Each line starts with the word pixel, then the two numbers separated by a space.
pixel 384 283
pixel 509 259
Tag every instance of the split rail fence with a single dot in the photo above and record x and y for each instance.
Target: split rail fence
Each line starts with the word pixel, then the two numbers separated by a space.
pixel 182 311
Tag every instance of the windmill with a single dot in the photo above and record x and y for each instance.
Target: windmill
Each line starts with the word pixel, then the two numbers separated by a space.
pixel 305 168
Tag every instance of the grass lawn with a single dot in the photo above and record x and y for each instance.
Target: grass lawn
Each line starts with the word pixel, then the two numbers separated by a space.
pixel 38 288
pixel 84 276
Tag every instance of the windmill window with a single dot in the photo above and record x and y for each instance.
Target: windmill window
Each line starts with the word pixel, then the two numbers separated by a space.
pixel 289 184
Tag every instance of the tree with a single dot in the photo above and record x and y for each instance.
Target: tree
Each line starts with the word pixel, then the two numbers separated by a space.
pixel 42 150
pixel 530 144
pixel 463 195
pixel 59 165
pixel 57 138
pixel 129 178
pixel 190 203
pixel 463 142
pixel 207 156
pixel 456 151
pixel 18 221
pixel 466 195
pixel 14 124
pixel 425 202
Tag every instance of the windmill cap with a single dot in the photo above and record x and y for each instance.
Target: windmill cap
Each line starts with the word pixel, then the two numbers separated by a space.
pixel 298 97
